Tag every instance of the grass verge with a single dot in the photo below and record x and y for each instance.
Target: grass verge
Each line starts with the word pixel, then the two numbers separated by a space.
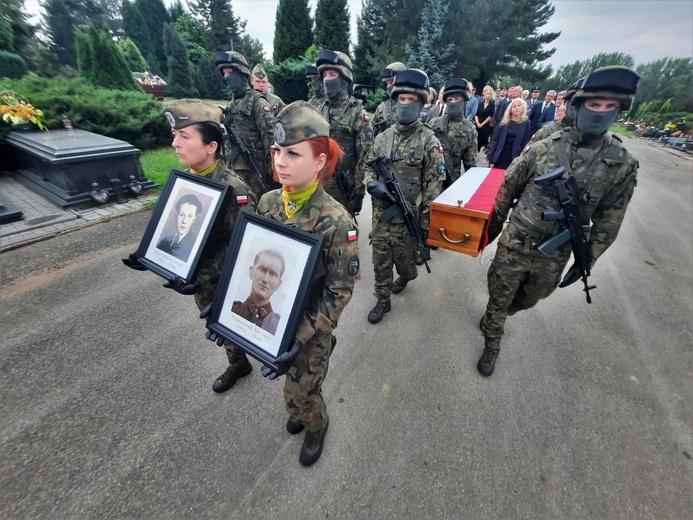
pixel 157 164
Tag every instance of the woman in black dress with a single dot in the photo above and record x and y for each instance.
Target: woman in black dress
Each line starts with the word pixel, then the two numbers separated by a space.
pixel 483 117
pixel 509 137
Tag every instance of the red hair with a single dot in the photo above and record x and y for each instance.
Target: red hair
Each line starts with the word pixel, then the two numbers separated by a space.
pixel 318 145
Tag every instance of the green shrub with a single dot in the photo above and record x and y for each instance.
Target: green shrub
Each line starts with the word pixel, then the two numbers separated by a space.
pixel 208 81
pixel 133 56
pixel 289 80
pixel 12 65
pixel 374 99
pixel 130 116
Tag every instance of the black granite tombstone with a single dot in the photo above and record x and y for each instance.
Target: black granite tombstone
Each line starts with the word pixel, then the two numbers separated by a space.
pixel 62 164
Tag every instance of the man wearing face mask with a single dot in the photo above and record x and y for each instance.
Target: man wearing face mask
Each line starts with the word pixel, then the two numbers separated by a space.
pixel 384 115
pixel 605 176
pixel 417 163
pixel 350 126
pixel 313 77
pixel 251 113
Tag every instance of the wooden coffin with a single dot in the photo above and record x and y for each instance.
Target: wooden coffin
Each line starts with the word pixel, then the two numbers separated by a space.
pixel 460 214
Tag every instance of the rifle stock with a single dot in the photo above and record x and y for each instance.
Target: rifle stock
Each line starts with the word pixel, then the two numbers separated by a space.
pixel 237 142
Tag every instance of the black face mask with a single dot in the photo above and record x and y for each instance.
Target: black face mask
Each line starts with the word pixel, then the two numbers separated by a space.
pixel 318 87
pixel 592 123
pixel 334 86
pixel 455 109
pixel 409 112
pixel 234 81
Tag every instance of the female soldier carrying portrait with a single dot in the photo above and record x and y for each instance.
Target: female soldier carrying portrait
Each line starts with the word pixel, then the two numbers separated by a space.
pixel 304 157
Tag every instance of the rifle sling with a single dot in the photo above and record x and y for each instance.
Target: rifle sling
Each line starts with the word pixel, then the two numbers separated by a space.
pixel 235 151
pixel 571 182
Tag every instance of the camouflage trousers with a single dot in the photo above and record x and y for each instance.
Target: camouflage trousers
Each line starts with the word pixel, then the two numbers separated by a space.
pixel 392 245
pixel 517 281
pixel 303 385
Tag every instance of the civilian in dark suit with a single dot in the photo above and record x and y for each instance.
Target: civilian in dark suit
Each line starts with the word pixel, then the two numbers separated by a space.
pixel 510 136
pixel 543 113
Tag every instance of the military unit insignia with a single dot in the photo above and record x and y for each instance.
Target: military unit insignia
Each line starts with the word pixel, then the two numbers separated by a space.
pixel 353 265
pixel 352 235
pixel 170 118
pixel 441 167
pixel 292 205
pixel 279 133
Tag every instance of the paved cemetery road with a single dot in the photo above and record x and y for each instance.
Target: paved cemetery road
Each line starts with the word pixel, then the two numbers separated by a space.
pixel 108 412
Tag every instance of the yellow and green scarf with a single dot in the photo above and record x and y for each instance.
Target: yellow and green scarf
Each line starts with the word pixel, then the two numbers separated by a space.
pixel 294 201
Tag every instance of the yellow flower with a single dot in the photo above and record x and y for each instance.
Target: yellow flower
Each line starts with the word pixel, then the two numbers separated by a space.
pixel 15 108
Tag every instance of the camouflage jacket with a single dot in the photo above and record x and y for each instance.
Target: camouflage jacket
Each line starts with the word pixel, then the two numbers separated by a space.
pixel 417 156
pixel 332 284
pixel 548 129
pixel 216 245
pixel 459 139
pixel 253 118
pixel 317 101
pixel 351 127
pixel 275 102
pixel 384 113
pixel 606 175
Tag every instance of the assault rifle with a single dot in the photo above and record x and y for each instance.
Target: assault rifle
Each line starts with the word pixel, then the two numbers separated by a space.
pixel 342 182
pixel 381 126
pixel 557 183
pixel 382 168
pixel 238 147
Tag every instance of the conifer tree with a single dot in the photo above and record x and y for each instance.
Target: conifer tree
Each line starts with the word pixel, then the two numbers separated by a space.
pixel 293 30
pixel 155 16
pixel 101 62
pixel 217 16
pixel 60 27
pixel 133 57
pixel 180 83
pixel 369 52
pixel 135 28
pixel 332 25
pixel 175 11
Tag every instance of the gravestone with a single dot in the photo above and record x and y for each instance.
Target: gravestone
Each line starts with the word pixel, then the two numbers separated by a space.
pixel 62 164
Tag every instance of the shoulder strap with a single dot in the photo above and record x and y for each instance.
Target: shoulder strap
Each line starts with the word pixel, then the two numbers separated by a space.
pixel 571 182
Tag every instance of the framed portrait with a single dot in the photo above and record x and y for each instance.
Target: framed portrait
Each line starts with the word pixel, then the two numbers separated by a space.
pixel 263 286
pixel 184 217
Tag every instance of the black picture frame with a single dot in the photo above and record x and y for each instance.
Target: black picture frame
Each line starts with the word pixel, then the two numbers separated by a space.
pixel 253 249
pixel 170 255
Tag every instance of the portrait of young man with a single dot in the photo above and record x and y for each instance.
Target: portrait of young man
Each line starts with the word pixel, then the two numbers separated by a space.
pixel 181 243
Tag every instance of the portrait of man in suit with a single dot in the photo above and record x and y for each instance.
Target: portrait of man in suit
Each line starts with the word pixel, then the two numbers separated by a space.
pixel 265 277
pixel 181 243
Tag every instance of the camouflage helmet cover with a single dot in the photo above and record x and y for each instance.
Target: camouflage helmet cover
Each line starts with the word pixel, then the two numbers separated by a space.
pixel 392 69
pixel 299 122
pixel 335 60
pixel 232 59
pixel 185 112
pixel 458 86
pixel 611 82
pixel 411 81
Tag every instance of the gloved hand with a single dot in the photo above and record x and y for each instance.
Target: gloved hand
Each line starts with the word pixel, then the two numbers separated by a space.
pixel 378 190
pixel 493 231
pixel 212 336
pixel 572 276
pixel 132 263
pixel 181 286
pixel 204 313
pixel 283 362
pixel 424 235
pixel 356 203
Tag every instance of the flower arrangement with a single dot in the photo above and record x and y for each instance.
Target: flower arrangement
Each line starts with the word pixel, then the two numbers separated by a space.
pixel 16 109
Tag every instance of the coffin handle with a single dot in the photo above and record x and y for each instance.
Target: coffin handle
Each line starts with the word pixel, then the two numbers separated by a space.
pixel 464 238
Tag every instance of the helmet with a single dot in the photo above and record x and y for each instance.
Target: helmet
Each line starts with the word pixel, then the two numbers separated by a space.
pixel 411 81
pixel 232 59
pixel 458 86
pixel 311 70
pixel 335 60
pixel 392 69
pixel 614 81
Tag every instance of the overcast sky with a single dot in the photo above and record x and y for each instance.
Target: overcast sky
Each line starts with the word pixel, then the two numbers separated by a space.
pixel 646 29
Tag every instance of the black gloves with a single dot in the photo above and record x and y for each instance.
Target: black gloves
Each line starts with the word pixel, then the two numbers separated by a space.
pixel 181 286
pixel 572 276
pixel 424 236
pixel 356 203
pixel 211 336
pixel 378 190
pixel 283 362
pixel 132 263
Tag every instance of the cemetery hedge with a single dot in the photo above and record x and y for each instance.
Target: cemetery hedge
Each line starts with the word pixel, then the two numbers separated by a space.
pixel 134 117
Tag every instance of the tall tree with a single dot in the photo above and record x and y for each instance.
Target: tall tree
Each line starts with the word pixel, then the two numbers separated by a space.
pixel 332 25
pixel 133 56
pixel 155 16
pixel 293 30
pixel 569 74
pixel 135 27
pixel 430 54
pixel 180 82
pixel 18 31
pixel 252 49
pixel 175 11
pixel 496 37
pixel 62 17
pixel 113 18
pixel 369 51
pixel 667 78
pixel 101 62
pixel 194 35
pixel 224 28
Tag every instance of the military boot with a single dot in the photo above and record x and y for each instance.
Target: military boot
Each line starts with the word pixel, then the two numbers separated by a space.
pixel 312 446
pixel 230 376
pixel 400 284
pixel 487 361
pixel 379 311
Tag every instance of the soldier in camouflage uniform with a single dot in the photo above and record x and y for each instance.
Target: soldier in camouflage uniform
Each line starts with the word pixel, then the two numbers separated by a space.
pixel 416 159
pixel 198 140
pixel 313 77
pixel 251 113
pixel 605 174
pixel 384 115
pixel 304 204
pixel 350 126
pixel 260 82
pixel 455 132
